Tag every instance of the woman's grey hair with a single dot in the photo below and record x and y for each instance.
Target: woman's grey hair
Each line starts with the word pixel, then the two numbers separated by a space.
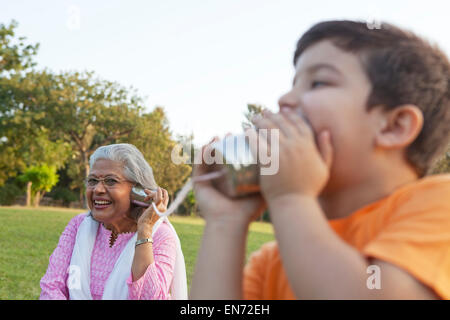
pixel 135 168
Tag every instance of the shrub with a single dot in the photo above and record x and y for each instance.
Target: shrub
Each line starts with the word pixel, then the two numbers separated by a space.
pixel 9 193
pixel 64 194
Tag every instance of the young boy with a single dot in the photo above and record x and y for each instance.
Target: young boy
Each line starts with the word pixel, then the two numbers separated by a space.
pixel 354 214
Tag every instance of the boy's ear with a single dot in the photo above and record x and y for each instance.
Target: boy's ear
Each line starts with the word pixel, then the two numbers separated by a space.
pixel 399 127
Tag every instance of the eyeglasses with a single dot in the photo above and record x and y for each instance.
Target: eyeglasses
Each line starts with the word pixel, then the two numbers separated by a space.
pixel 108 182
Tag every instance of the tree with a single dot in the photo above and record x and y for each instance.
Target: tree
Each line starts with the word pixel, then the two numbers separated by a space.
pixel 77 112
pixel 15 55
pixel 443 164
pixel 16 58
pixel 88 112
pixel 68 116
pixel 26 141
pixel 38 179
pixel 62 118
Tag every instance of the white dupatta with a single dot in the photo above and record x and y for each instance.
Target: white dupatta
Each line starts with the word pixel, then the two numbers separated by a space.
pixel 116 287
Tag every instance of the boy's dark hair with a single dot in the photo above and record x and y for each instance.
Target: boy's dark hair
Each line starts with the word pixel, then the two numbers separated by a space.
pixel 403 69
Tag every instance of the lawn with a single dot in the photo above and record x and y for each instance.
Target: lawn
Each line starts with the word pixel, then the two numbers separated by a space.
pixel 29 236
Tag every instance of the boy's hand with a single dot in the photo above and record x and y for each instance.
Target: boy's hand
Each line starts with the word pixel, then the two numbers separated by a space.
pixel 216 207
pixel 304 166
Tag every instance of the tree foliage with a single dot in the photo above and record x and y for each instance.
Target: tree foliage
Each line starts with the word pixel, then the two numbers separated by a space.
pixel 252 110
pixel 16 143
pixel 39 180
pixel 443 164
pixel 15 54
pixel 60 119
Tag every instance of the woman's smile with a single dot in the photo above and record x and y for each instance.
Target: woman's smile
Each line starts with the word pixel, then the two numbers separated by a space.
pixel 101 203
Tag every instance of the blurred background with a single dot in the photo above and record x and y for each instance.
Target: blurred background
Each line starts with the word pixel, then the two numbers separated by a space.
pixel 80 74
pixel 75 75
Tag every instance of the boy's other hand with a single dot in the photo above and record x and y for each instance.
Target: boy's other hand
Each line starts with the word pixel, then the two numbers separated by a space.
pixel 304 165
pixel 217 207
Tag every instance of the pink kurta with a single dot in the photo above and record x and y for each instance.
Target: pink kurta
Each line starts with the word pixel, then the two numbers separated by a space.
pixel 154 284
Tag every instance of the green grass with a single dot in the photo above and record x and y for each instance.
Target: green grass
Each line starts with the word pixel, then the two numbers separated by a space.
pixel 29 236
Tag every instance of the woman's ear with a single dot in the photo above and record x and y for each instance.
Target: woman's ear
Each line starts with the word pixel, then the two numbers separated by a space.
pixel 135 212
pixel 399 127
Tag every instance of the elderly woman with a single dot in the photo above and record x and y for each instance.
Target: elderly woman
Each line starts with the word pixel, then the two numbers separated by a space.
pixel 117 250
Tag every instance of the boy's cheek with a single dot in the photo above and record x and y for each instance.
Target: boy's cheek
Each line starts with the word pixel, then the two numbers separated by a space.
pixel 318 113
pixel 325 111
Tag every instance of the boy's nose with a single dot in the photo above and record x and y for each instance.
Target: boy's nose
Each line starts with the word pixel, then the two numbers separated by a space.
pixel 289 100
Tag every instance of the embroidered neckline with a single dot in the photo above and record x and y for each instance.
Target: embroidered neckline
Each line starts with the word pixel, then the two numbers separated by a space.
pixel 113 237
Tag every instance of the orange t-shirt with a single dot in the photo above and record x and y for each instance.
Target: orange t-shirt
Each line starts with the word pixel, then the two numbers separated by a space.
pixel 409 228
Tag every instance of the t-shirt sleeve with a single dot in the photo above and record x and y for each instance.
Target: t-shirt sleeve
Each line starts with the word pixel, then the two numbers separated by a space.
pixel 416 236
pixel 254 273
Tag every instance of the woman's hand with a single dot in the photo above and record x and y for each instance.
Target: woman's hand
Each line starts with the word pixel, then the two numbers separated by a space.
pixel 149 217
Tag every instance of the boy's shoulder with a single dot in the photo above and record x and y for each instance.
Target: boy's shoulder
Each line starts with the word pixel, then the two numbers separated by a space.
pixel 426 200
pixel 266 255
pixel 435 179
pixel 429 190
pixel 424 195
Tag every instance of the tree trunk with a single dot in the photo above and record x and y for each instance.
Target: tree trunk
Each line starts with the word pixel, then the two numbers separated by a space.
pixel 37 199
pixel 28 200
pixel 81 196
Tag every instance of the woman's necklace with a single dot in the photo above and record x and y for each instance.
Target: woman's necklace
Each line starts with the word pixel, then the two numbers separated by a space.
pixel 114 234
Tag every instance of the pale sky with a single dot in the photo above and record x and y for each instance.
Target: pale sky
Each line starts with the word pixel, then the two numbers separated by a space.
pixel 203 61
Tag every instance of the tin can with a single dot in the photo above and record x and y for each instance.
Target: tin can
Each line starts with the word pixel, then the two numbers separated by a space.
pixel 138 196
pixel 234 158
